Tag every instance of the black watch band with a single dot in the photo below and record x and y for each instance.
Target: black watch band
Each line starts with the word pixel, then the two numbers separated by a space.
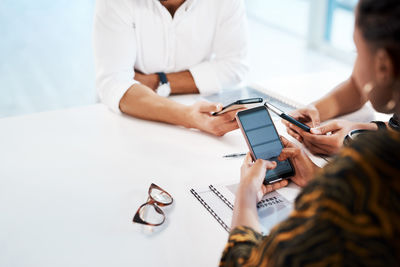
pixel 163 77
pixel 381 125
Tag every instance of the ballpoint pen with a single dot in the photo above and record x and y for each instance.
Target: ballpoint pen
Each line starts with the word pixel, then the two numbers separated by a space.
pixel 235 155
pixel 286 117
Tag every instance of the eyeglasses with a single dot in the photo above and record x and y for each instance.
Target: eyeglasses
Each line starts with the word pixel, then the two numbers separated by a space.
pixel 150 213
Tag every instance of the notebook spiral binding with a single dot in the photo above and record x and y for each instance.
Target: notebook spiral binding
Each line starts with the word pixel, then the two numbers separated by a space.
pixel 210 210
pixel 226 201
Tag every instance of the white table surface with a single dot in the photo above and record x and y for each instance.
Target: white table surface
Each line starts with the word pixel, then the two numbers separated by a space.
pixel 71 181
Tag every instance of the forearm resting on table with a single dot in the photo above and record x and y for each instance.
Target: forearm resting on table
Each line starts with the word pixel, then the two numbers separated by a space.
pixel 142 102
pixel 245 211
pixel 346 98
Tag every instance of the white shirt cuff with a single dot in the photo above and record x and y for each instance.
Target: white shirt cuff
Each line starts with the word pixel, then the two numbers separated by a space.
pixel 205 78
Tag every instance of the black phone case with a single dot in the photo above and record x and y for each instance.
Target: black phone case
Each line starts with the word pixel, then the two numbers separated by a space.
pixel 272 179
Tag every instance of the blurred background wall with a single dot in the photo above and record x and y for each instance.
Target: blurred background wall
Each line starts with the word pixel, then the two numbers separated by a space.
pixel 46 59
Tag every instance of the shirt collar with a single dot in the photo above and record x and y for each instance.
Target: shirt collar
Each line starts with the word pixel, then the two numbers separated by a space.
pixel 188 4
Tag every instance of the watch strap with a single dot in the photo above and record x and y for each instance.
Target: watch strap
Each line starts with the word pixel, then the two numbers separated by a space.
pixel 381 125
pixel 163 77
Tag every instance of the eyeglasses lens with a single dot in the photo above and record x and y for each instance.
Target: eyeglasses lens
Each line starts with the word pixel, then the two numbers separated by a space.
pixel 151 214
pixel 160 196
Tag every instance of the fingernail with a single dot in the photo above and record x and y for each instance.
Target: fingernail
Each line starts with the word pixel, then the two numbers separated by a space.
pixel 315 131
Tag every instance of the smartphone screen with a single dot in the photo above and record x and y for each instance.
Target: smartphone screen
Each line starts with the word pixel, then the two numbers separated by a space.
pixel 264 142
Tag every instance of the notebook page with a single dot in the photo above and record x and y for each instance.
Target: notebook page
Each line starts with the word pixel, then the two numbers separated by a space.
pixel 272 209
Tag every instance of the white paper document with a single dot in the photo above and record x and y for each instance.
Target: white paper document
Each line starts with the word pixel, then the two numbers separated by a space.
pixel 272 209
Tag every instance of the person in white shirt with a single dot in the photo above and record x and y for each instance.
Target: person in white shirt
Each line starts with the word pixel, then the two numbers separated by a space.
pixel 146 50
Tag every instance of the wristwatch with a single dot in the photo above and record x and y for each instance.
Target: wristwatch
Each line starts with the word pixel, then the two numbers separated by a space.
pixel 164 89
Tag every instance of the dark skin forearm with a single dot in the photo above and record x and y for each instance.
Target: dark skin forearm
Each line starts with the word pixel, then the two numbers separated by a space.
pixel 245 211
pixel 180 82
pixel 346 98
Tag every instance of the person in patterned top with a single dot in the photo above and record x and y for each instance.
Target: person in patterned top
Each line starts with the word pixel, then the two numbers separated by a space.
pixel 348 213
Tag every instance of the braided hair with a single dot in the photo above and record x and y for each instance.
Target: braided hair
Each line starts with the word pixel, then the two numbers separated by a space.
pixel 379 22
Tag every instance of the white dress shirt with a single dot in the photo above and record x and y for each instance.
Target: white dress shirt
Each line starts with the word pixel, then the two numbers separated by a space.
pixel 206 37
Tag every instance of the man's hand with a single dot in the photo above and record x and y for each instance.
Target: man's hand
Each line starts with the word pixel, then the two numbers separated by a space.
pixel 305 169
pixel 199 117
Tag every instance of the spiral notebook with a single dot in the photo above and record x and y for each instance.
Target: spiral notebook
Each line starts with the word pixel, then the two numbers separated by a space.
pixel 272 209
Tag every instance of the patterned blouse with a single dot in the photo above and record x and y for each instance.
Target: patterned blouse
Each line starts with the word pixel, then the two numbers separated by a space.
pixel 349 215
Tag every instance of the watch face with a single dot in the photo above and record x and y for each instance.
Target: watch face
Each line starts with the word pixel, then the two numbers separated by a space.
pixel 164 90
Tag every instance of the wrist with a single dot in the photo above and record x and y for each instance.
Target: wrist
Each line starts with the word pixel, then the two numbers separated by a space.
pixel 318 106
pixel 380 125
pixel 154 81
pixel 188 120
pixel 365 126
pixel 245 200
pixel 246 193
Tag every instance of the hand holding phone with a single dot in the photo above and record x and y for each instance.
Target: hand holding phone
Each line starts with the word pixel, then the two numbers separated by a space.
pixel 252 177
pixel 264 142
pixel 286 117
pixel 305 169
pixel 243 103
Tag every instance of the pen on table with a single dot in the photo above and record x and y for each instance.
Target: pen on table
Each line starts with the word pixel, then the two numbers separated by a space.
pixel 286 117
pixel 235 155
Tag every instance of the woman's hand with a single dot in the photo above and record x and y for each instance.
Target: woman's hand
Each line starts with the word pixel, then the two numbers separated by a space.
pixel 328 139
pixel 252 178
pixel 308 115
pixel 200 117
pixel 305 169
pixel 251 190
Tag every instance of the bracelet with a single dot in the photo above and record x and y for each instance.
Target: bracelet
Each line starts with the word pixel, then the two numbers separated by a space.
pixel 352 135
pixel 381 125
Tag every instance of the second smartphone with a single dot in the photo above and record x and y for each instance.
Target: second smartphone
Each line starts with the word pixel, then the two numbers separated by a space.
pixel 242 103
pixel 264 142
